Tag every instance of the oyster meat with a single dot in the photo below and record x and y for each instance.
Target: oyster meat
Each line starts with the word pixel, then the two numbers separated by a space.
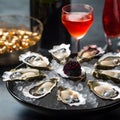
pixel 108 60
pixel 107 74
pixel 61 52
pixel 35 60
pixel 41 88
pixel 22 74
pixel 89 52
pixel 70 97
pixel 104 90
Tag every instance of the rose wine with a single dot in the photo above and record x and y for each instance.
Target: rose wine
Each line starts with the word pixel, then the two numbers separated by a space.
pixel 111 18
pixel 77 24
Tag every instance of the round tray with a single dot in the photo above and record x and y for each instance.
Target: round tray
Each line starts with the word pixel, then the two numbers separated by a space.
pixel 46 105
pixel 49 105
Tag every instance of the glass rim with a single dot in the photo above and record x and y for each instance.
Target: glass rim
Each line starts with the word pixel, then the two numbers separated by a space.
pixel 13 16
pixel 23 16
pixel 87 6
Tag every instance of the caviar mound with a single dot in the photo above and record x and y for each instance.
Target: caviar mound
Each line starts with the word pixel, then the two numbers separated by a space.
pixel 72 68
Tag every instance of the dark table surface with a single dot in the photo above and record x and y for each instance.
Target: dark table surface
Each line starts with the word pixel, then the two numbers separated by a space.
pixel 10 109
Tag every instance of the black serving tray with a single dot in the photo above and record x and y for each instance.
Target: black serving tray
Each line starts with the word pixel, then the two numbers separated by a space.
pixel 45 108
pixel 49 105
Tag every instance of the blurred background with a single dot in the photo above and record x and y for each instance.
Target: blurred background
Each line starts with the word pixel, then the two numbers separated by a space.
pixel 14 7
pixel 22 7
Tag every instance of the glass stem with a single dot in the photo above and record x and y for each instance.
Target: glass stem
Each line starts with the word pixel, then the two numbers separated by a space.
pixel 108 40
pixel 77 42
pixel 109 45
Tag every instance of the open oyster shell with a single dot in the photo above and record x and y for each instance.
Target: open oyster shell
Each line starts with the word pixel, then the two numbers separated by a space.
pixel 40 89
pixel 35 60
pixel 70 97
pixel 104 90
pixel 61 52
pixel 89 52
pixel 107 74
pixel 108 60
pixel 22 74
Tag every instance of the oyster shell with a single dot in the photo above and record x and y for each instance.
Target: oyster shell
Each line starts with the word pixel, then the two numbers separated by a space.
pixel 104 90
pixel 89 52
pixel 22 74
pixel 40 89
pixel 107 74
pixel 61 52
pixel 108 60
pixel 35 60
pixel 70 97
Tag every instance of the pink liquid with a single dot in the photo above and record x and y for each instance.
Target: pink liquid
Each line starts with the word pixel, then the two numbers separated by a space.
pixel 77 24
pixel 111 18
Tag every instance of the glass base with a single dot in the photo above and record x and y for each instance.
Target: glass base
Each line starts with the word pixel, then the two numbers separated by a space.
pixel 108 48
pixel 113 45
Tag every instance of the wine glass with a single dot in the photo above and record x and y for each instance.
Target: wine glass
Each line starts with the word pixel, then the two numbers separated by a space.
pixel 111 22
pixel 77 18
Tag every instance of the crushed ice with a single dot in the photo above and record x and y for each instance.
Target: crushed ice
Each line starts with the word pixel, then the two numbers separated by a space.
pixel 91 99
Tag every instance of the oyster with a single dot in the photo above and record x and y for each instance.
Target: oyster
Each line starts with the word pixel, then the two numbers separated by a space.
pixel 72 70
pixel 68 73
pixel 61 52
pixel 70 97
pixel 22 74
pixel 35 60
pixel 40 89
pixel 108 60
pixel 89 52
pixel 107 74
pixel 104 90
